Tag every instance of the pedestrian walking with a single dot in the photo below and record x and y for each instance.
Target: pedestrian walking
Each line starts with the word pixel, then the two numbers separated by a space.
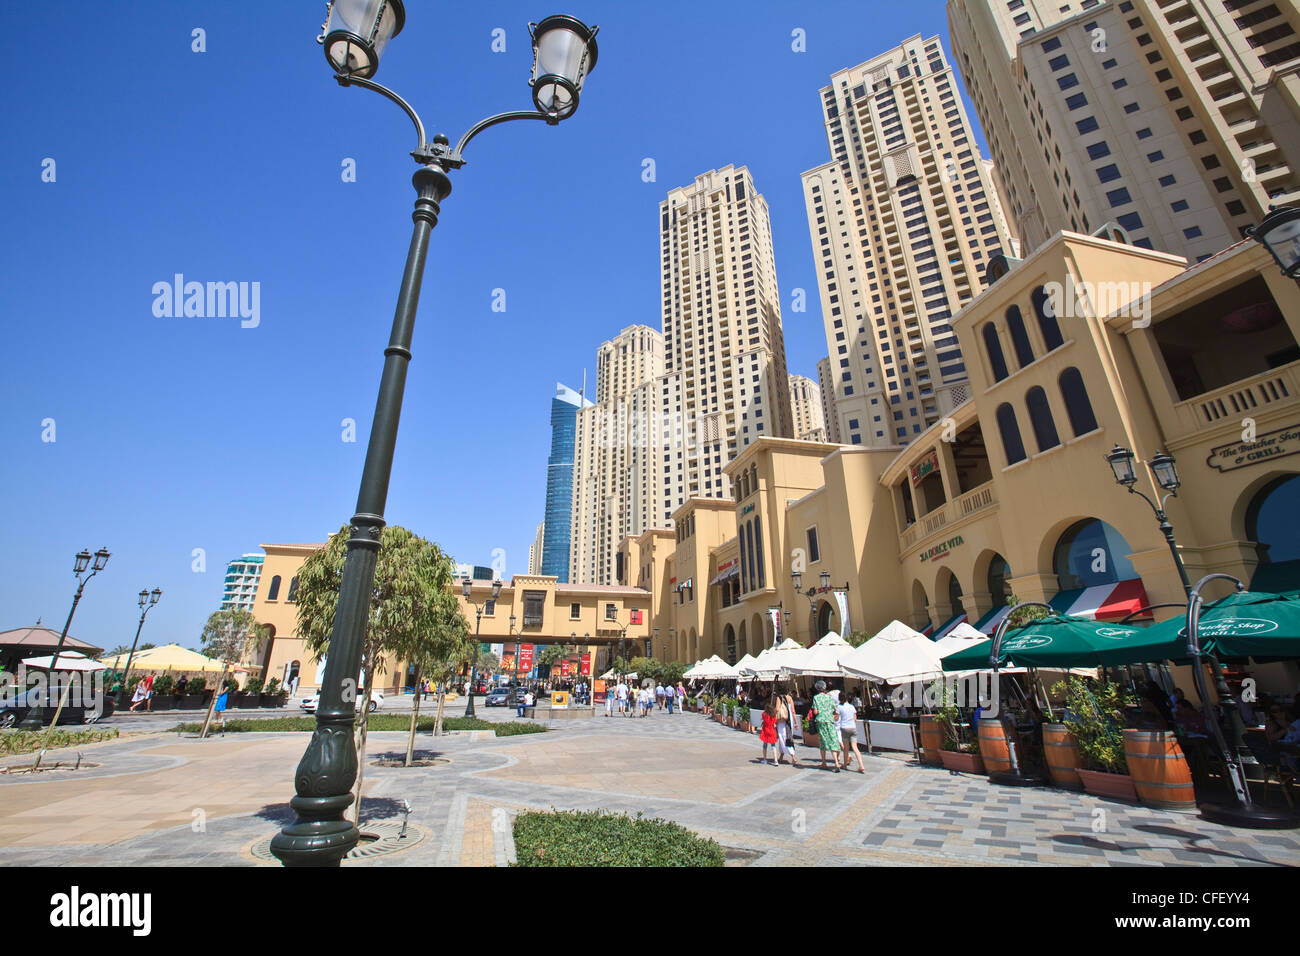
pixel 848 721
pixel 659 696
pixel 825 718
pixel 670 696
pixel 768 733
pixel 784 726
pixel 148 691
pixel 141 694
pixel 621 694
pixel 681 696
pixel 609 703
pixel 223 701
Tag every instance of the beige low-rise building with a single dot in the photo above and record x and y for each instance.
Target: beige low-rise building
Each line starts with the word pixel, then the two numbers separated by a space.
pixel 1086 345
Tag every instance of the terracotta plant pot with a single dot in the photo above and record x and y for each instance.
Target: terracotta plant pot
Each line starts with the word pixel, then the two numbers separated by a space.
pixel 810 739
pixel 963 763
pixel 1117 786
pixel 743 725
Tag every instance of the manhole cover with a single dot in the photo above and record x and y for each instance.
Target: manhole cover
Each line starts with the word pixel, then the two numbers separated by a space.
pixel 60 766
pixel 377 838
pixel 417 762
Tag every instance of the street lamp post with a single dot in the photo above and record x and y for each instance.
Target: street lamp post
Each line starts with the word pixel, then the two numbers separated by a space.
pixel 80 563
pixel 1279 233
pixel 1164 469
pixel 354 36
pixel 518 647
pixel 823 579
pixel 478 618
pixel 147 600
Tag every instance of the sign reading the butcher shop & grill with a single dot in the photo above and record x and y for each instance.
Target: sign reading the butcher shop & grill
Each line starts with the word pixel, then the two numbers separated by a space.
pixel 1265 447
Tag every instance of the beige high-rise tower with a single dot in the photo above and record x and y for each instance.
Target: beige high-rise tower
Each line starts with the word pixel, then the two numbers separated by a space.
pixel 1178 120
pixel 806 409
pixel 904 220
pixel 724 350
pixel 618 444
pixel 826 386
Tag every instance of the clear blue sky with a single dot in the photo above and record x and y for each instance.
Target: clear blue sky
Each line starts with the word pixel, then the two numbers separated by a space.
pixel 173 434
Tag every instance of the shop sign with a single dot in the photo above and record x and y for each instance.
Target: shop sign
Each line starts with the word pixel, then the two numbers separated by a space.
pixel 526 658
pixel 942 548
pixel 747 509
pixel 1275 444
pixel 925 467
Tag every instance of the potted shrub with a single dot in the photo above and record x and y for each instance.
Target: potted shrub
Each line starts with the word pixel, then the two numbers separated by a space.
pixel 272 695
pixel 960 751
pixel 195 694
pixel 1094 715
pixel 250 698
pixel 163 697
pixel 742 718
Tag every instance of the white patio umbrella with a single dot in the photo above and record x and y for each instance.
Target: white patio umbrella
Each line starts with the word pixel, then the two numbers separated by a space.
pixel 715 668
pixel 768 664
pixel 820 660
pixel 894 655
pixel 742 667
pixel 68 661
pixel 958 639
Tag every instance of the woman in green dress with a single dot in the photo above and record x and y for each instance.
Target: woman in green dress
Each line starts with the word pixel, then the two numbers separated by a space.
pixel 827 720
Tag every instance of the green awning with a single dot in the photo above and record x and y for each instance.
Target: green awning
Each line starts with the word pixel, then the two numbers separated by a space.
pixel 1063 642
pixel 1245 624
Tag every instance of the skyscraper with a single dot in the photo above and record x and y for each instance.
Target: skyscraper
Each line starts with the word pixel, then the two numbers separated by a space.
pixel 559 481
pixel 724 349
pixel 535 550
pixel 826 386
pixel 617 478
pixel 806 409
pixel 903 221
pixel 1180 121
pixel 242 577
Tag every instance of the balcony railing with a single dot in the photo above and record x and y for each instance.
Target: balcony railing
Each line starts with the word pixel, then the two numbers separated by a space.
pixel 1239 399
pixel 949 513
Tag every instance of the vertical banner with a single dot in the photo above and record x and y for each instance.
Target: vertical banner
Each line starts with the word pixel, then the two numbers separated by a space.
pixel 775 614
pixel 564 667
pixel 842 598
pixel 586 665
pixel 526 658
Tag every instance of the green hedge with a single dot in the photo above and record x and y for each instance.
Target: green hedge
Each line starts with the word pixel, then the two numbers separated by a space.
pixel 598 838
pixel 377 723
pixel 29 741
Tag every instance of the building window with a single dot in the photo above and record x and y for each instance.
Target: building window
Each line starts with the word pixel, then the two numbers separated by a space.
pixel 993 345
pixel 758 550
pixel 293 589
pixel 1040 417
pixel 274 593
pixel 575 611
pixel 1047 323
pixel 1077 405
pixel 534 608
pixel 814 549
pixel 611 612
pixel 1019 337
pixel 489 607
pixel 1012 445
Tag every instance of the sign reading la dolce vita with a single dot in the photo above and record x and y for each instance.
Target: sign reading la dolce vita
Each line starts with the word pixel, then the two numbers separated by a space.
pixel 1276 444
pixel 942 548
pixel 924 467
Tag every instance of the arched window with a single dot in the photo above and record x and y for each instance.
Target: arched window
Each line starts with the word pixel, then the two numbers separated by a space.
pixel 1012 444
pixel 293 590
pixel 744 565
pixel 993 345
pixel 274 593
pixel 1040 417
pixel 1047 323
pixel 1019 337
pixel 954 596
pixel 1077 406
pixel 749 545
pixel 758 551
pixel 999 573
pixel 1091 553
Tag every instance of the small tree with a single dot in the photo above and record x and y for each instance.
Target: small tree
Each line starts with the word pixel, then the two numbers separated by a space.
pixel 410 576
pixel 552 654
pixel 487 662
pixel 226 636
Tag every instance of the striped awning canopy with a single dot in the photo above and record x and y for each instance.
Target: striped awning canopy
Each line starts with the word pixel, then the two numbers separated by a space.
pixel 990 621
pixel 1104 602
pixel 731 572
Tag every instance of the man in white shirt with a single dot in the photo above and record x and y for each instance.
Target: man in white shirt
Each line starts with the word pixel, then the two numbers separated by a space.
pixel 621 693
pixel 847 718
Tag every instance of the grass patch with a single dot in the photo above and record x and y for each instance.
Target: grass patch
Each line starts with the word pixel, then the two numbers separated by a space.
pixel 377 724
pixel 29 741
pixel 598 838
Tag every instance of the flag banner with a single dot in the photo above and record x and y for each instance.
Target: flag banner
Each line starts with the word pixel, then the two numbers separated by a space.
pixel 842 599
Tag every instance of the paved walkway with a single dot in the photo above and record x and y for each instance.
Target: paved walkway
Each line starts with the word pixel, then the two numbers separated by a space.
pixel 167 800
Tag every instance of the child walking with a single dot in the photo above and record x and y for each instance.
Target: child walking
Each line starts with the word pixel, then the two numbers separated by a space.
pixel 768 734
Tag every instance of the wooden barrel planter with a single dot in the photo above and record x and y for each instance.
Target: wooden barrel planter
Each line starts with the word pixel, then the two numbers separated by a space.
pixel 1062 753
pixel 1159 769
pixel 993 746
pixel 931 739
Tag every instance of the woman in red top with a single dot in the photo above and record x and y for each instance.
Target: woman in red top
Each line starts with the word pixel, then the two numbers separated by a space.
pixel 768 734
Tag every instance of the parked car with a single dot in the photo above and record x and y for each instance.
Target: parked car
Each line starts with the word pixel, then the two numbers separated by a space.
pixel 376 702
pixel 500 697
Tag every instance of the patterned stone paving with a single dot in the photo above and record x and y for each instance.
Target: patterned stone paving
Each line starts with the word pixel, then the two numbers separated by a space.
pixel 138 807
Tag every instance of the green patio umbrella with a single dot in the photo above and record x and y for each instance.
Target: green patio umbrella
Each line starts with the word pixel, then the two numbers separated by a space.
pixel 1059 641
pixel 1245 624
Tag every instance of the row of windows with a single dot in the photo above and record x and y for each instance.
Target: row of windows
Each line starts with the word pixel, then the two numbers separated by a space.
pixel 1048 327
pixel 1077 407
